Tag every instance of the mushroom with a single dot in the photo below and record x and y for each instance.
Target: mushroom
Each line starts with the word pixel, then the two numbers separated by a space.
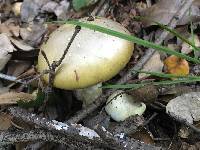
pixel 89 94
pixel 92 58
pixel 120 106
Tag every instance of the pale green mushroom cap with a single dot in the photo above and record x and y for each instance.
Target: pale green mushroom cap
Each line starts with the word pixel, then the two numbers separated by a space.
pixel 120 106
pixel 93 57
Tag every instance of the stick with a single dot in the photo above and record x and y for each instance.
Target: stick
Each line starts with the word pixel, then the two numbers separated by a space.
pixel 68 134
pixel 10 78
pixel 12 137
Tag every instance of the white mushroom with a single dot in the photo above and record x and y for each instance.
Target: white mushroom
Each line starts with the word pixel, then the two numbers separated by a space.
pixel 120 106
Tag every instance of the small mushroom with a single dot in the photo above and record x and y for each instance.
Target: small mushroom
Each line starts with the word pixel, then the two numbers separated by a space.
pixel 92 58
pixel 120 106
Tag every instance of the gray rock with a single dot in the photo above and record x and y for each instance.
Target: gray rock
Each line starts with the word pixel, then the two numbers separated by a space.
pixel 186 107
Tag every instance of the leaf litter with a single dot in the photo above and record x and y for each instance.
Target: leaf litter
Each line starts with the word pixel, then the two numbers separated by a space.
pixel 25 34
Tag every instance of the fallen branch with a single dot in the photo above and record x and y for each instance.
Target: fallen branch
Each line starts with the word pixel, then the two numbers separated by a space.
pixel 68 134
pixel 11 137
pixel 75 132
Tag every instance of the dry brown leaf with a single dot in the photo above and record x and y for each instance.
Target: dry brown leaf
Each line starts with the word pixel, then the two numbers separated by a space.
pixel 5 121
pixel 163 10
pixel 10 98
pixel 33 34
pixel 144 136
pixel 9 29
pixel 21 45
pixel 5 48
pixel 154 64
pixel 177 66
pixel 17 69
pixel 186 48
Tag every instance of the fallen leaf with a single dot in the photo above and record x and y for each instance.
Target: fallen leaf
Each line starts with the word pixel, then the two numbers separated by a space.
pixel 30 9
pixel 163 10
pixel 177 66
pixel 144 136
pixel 17 69
pixel 32 35
pixel 50 6
pixel 62 9
pixel 5 48
pixel 10 98
pixel 186 48
pixel 21 45
pixel 154 64
pixel 147 94
pixel 9 29
pixel 5 121
pixel 185 107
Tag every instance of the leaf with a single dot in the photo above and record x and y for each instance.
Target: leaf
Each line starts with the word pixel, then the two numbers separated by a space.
pixel 187 47
pixel 177 66
pixel 163 10
pixel 21 45
pixel 5 48
pixel 153 64
pixel 79 4
pixel 10 98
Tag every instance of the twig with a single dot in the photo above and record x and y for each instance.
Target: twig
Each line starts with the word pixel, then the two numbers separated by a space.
pixel 77 30
pixel 10 78
pixel 102 99
pixel 172 24
pixel 70 134
pixel 150 119
pixel 46 59
pixel 54 65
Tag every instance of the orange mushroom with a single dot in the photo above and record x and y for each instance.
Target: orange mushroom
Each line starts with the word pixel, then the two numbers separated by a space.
pixel 177 66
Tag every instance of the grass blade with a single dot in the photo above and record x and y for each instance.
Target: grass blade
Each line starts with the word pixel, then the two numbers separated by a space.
pixel 165 75
pixel 136 86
